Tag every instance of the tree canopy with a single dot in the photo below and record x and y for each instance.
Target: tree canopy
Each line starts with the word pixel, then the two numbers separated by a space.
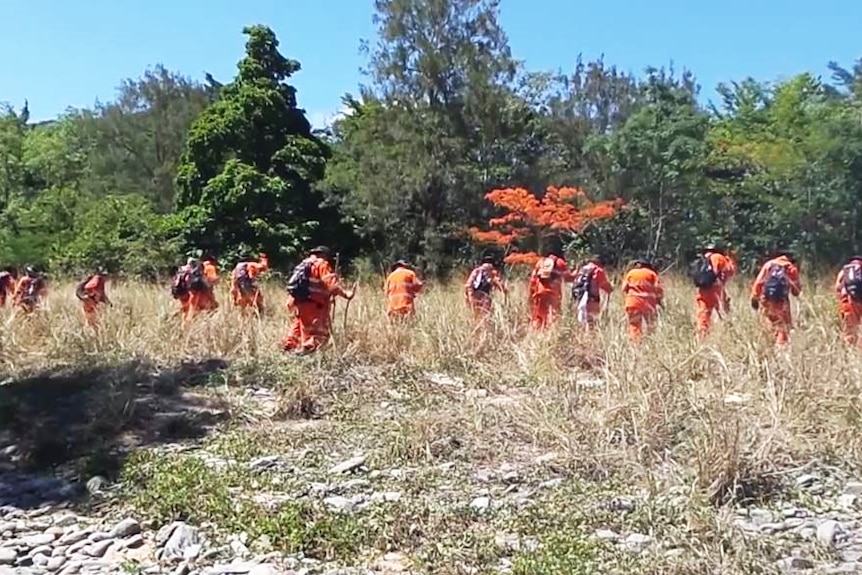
pixel 447 126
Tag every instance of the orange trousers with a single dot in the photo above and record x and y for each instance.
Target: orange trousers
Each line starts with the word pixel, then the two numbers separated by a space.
pixel 309 328
pixel 594 310
pixel 545 309
pixel 851 318
pixel 200 301
pixel 641 316
pixel 708 301
pixel 481 307
pixel 777 318
pixel 91 311
pixel 254 299
pixel 402 312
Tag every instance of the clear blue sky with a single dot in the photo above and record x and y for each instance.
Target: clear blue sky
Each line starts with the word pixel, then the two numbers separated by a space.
pixel 59 53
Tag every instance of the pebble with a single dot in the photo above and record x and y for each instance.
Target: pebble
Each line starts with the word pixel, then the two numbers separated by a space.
pixel 607 535
pixel 845 568
pixel 480 503
pixel 40 560
pixel 100 536
pixel 793 523
pixel 348 465
pixel 73 537
pixel 7 556
pixel 795 564
pixel 827 531
pixel 760 516
pixel 853 488
pixel 264 463
pixel 182 537
pixel 339 503
pixel 37 540
pixel 126 528
pixel 55 563
pixel 263 569
pixel 99 548
pixel 133 542
pixel 806 480
pixel 638 541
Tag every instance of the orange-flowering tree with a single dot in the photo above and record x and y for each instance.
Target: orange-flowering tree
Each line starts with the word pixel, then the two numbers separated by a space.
pixel 528 220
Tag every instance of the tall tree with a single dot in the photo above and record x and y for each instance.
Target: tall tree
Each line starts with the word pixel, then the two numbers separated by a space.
pixel 659 154
pixel 13 127
pixel 135 141
pixel 247 174
pixel 441 123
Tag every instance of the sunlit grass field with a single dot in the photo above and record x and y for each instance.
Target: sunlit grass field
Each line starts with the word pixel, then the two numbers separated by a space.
pixel 716 422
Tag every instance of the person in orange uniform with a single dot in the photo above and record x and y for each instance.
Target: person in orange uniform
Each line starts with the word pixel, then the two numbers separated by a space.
pixel 202 293
pixel 179 287
pixel 590 282
pixel 848 287
pixel 211 275
pixel 29 290
pixel 401 287
pixel 643 293
pixel 244 291
pixel 710 282
pixel 8 278
pixel 481 282
pixel 777 281
pixel 546 289
pixel 92 294
pixel 312 287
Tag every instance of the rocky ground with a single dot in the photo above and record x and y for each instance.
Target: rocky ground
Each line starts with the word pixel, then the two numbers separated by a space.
pixel 820 531
pixel 319 482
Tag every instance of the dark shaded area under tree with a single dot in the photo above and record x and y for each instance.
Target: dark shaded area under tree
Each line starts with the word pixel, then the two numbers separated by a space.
pixel 61 427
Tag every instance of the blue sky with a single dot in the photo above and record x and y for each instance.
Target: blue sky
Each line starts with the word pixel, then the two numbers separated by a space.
pixel 59 53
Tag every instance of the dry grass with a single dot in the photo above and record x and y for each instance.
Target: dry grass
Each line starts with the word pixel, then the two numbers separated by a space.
pixel 713 424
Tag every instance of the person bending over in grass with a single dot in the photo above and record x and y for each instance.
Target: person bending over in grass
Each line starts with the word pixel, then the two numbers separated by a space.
pixel 244 291
pixel 481 283
pixel 92 294
pixel 30 290
pixel 401 288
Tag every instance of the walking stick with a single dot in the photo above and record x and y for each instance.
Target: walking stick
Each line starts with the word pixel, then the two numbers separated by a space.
pixel 347 307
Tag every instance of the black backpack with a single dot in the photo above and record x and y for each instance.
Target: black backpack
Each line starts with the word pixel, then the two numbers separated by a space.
pixel 702 274
pixel 243 281
pixel 299 284
pixel 583 284
pixel 33 290
pixel 776 287
pixel 482 281
pixel 195 279
pixel 853 281
pixel 179 287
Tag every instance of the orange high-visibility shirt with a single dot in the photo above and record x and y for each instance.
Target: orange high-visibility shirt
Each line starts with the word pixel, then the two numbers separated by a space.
pixel 792 273
pixel 642 285
pixel 401 288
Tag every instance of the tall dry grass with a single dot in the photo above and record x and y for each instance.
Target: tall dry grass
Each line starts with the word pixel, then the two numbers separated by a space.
pixel 728 415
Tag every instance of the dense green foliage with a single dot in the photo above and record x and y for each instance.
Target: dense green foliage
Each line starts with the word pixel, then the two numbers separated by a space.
pixel 173 166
